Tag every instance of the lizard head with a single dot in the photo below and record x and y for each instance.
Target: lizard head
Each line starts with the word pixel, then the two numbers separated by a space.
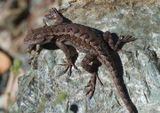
pixel 35 36
pixel 56 17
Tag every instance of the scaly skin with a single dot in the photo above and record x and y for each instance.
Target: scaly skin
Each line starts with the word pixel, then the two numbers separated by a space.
pixel 100 48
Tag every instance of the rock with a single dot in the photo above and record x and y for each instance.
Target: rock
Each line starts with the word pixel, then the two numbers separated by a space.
pixel 48 90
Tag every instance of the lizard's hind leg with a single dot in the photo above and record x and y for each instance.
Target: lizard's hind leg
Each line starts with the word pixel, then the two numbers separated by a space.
pixel 91 65
pixel 115 42
pixel 71 56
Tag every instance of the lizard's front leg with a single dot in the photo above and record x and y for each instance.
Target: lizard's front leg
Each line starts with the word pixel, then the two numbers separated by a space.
pixel 91 64
pixel 70 53
pixel 34 51
pixel 115 42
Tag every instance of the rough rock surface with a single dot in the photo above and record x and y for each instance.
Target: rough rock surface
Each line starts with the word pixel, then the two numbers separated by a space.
pixel 47 90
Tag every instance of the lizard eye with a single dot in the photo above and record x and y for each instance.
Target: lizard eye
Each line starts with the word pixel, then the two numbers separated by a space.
pixel 52 13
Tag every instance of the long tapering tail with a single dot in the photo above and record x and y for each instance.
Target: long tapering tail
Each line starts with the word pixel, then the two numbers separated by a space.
pixel 114 64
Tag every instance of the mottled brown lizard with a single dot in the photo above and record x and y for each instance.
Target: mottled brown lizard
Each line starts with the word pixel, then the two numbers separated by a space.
pixel 100 48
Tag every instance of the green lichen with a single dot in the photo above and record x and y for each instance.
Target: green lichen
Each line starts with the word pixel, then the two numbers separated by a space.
pixel 62 96
pixel 42 104
pixel 17 64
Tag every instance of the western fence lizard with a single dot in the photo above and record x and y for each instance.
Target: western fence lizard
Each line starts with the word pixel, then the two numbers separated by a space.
pixel 100 48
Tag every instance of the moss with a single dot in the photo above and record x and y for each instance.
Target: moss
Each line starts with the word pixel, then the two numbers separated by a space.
pixel 17 64
pixel 42 104
pixel 62 96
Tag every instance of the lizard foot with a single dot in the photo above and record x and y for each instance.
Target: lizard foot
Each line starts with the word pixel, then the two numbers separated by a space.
pixel 68 67
pixel 126 39
pixel 33 62
pixel 122 41
pixel 91 86
pixel 34 51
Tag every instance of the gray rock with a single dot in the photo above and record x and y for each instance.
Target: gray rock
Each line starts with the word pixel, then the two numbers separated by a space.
pixel 48 90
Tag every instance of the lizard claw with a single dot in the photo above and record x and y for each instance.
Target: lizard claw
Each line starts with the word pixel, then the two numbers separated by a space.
pixel 91 86
pixel 122 41
pixel 69 67
pixel 127 38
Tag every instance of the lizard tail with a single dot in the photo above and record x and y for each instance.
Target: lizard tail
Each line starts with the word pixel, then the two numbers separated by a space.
pixel 115 67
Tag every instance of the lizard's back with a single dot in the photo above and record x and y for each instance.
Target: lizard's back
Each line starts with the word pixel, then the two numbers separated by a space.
pixel 82 37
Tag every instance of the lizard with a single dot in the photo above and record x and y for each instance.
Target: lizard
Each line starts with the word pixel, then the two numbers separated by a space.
pixel 100 48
